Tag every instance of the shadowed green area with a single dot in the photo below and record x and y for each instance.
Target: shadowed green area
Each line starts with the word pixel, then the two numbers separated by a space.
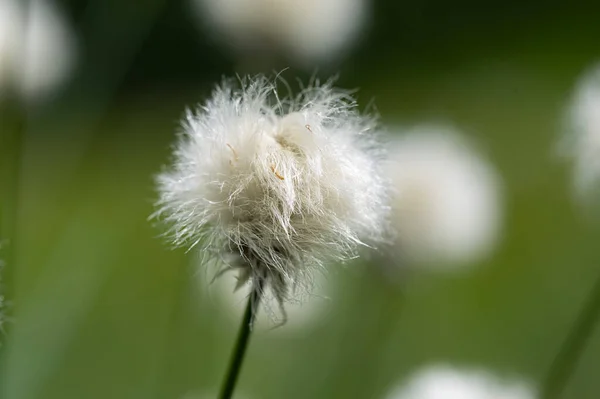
pixel 107 310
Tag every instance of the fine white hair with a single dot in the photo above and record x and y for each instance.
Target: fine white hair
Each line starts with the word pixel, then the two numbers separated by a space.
pixel 446 204
pixel 445 382
pixel 581 141
pixel 275 187
pixel 303 313
pixel 306 31
pixel 37 48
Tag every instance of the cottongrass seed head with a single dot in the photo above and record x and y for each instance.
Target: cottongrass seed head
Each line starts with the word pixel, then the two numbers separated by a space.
pixel 445 382
pixel 275 187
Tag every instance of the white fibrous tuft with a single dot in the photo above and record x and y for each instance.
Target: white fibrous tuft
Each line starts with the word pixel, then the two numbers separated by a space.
pixel 275 187
pixel 582 138
pixel 303 314
pixel 446 204
pixel 444 382
pixel 37 49
pixel 306 31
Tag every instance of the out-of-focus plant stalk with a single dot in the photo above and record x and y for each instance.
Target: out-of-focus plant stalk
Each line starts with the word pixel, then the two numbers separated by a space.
pixel 12 127
pixel 241 344
pixel 374 317
pixel 12 131
pixel 13 121
pixel 572 348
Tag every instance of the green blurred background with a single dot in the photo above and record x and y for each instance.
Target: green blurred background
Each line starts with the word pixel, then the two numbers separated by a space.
pixel 105 309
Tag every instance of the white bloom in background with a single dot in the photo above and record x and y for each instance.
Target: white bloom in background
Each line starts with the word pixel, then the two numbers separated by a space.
pixel 302 314
pixel 307 31
pixel 582 139
pixel 446 202
pixel 444 382
pixel 49 49
pixel 275 187
pixel 37 49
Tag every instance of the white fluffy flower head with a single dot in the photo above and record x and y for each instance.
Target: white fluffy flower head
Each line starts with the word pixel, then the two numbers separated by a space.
pixel 275 187
pixel 446 207
pixel 444 382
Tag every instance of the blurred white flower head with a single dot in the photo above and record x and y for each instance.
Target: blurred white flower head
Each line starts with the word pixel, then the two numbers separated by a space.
pixel 444 382
pixel 446 207
pixel 582 139
pixel 37 49
pixel 306 31
pixel 275 187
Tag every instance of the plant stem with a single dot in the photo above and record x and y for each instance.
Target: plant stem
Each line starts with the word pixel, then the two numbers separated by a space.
pixel 11 143
pixel 12 130
pixel 571 350
pixel 241 345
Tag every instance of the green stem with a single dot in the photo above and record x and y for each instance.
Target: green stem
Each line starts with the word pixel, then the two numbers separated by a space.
pixel 11 143
pixel 241 345
pixel 13 114
pixel 12 131
pixel 572 348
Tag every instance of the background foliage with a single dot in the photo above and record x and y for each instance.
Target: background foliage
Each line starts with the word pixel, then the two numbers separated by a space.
pixel 106 310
